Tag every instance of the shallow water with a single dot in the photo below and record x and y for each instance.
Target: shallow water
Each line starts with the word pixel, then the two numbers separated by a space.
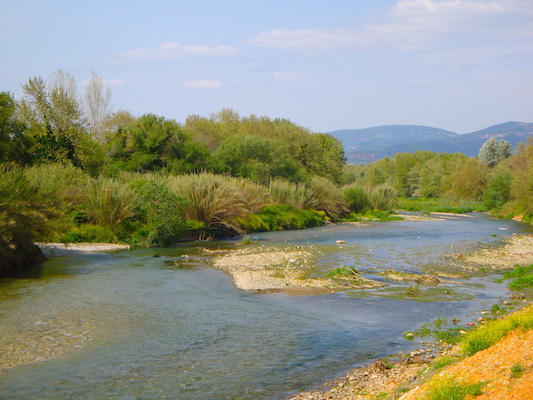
pixel 144 327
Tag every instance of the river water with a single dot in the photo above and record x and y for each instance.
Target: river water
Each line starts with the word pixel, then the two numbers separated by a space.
pixel 143 327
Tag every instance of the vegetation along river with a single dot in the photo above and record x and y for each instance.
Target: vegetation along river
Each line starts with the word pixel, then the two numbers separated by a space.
pixel 128 325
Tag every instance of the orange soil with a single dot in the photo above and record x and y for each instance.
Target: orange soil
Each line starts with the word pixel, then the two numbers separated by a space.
pixel 493 365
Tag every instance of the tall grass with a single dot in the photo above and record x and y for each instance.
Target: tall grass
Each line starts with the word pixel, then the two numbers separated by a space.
pixel 298 195
pixel 215 202
pixel 318 194
pixel 382 197
pixel 108 202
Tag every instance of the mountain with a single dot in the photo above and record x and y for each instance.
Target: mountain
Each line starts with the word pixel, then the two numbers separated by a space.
pixel 370 144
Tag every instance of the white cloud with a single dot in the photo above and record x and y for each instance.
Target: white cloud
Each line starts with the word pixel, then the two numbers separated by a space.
pixel 175 50
pixel 289 76
pixel 412 25
pixel 204 84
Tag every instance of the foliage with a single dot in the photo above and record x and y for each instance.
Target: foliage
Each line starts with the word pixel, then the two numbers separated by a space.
pixel 152 143
pixel 14 145
pixel 469 182
pixel 493 151
pixel 255 157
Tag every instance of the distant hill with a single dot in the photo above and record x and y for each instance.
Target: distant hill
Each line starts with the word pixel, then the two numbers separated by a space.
pixel 370 144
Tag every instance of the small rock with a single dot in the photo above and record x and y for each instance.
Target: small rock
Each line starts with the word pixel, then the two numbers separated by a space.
pixel 341 241
pixel 506 303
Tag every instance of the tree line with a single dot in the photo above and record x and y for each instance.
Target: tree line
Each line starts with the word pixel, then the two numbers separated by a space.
pixel 73 170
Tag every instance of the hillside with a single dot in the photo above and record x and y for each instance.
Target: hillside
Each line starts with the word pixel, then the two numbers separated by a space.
pixel 370 144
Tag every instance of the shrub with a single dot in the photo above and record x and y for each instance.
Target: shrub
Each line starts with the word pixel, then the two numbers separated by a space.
pixel 382 197
pixel 163 213
pixel 356 199
pixel 282 217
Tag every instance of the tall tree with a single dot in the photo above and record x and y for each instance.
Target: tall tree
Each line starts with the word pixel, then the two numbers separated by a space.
pixel 54 119
pixel 97 107
pixel 493 151
pixel 14 144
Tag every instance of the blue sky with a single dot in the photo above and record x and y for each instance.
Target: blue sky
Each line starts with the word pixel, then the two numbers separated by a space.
pixel 460 65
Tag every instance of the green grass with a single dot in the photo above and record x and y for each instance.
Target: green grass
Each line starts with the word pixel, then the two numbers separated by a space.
pixel 487 335
pixel 444 361
pixel 523 277
pixel 517 370
pixel 427 205
pixel 342 272
pixel 453 389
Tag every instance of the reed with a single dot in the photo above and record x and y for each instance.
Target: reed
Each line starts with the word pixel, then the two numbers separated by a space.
pixel 109 202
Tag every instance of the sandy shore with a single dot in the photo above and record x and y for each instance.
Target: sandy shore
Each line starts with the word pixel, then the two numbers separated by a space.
pixel 66 249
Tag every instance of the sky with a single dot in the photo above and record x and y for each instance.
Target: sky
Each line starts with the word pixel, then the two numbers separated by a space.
pixel 459 65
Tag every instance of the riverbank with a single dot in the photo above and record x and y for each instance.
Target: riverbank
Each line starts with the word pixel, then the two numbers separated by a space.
pixel 403 377
pixel 67 249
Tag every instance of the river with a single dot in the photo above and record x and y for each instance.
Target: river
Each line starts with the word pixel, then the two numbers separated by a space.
pixel 128 325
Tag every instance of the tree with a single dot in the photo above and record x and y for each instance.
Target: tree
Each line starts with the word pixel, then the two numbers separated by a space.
pixel 23 215
pixel 493 151
pixel 54 119
pixel 14 144
pixel 498 191
pixel 255 157
pixel 97 107
pixel 152 143
pixel 469 182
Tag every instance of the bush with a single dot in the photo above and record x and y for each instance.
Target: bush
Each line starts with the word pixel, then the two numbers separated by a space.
pixel 382 197
pixel 163 214
pixel 356 199
pixel 282 217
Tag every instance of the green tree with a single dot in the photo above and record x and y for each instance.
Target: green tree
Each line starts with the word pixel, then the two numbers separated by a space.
pixel 152 143
pixel 14 144
pixel 23 218
pixel 498 191
pixel 255 157
pixel 469 182
pixel 493 151
pixel 55 122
